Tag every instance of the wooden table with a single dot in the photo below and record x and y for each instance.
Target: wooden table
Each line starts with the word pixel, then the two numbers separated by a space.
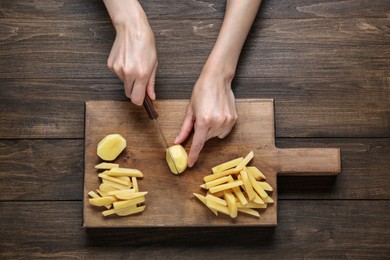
pixel 325 63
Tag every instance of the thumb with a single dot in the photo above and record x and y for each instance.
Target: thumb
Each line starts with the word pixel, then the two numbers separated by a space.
pixel 186 127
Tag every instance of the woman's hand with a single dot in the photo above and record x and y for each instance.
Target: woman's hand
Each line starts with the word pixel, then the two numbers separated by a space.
pixel 211 112
pixel 133 56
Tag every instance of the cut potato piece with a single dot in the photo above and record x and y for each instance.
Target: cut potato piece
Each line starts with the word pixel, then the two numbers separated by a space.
pixel 115 180
pixel 234 187
pixel 203 200
pixel 231 203
pixel 106 166
pixel 216 199
pixel 227 165
pixel 102 201
pixel 111 146
pixel 128 203
pixel 120 172
pixel 225 186
pixel 125 211
pixel 244 162
pixel 249 211
pixel 177 158
pixel 255 172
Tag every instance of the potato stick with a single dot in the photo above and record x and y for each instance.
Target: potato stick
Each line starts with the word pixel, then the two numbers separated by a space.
pixel 269 200
pixel 216 182
pixel 252 205
pixel 115 185
pixel 218 194
pixel 135 183
pixel 125 172
pixel 124 178
pixel 93 194
pixel 227 165
pixel 102 193
pixel 258 199
pixel 265 185
pixel 130 210
pixel 218 207
pixel 226 186
pixel 203 186
pixel 106 166
pixel 231 203
pixel 216 199
pixel 129 196
pixel 127 203
pixel 203 200
pixel 106 188
pixel 247 184
pixel 244 162
pixel 256 172
pixel 252 212
pixel 240 196
pixel 257 187
pixel 113 179
pixel 102 201
pixel 218 175
pixel 108 212
pixel 124 191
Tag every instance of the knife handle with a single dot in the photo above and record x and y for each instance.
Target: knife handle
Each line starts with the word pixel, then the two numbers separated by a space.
pixel 148 105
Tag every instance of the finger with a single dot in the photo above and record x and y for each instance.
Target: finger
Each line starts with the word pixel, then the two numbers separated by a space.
pixel 150 88
pixel 198 141
pixel 225 133
pixel 186 127
pixel 129 85
pixel 138 92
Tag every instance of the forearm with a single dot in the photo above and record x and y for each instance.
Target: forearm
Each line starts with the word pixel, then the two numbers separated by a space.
pixel 125 13
pixel 239 17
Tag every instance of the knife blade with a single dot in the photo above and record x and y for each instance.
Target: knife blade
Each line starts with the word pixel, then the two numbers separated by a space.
pixel 152 114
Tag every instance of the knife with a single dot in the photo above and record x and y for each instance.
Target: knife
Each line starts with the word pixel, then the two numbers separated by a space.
pixel 152 114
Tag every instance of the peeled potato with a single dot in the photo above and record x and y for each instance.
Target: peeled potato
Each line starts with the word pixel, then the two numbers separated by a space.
pixel 111 146
pixel 178 154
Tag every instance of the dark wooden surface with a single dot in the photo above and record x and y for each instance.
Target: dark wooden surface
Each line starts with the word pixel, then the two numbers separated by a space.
pixel 325 62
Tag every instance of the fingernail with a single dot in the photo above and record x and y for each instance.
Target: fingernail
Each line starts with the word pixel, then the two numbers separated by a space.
pixel 176 139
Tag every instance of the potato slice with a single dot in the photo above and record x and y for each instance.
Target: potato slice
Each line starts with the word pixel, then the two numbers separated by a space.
pixel 231 203
pixel 106 166
pixel 102 201
pixel 120 172
pixel 265 185
pixel 227 165
pixel 225 186
pixel 128 203
pixel 216 182
pixel 216 199
pixel 247 184
pixel 111 146
pixel 203 200
pixel 177 158
pixel 255 172
pixel 125 211
pixel 252 212
pixel 244 162
pixel 218 207
pixel 112 179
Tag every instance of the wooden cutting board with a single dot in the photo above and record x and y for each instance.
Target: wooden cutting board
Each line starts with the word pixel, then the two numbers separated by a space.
pixel 170 201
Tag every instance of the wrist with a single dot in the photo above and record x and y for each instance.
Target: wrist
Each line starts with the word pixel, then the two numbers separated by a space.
pixel 220 66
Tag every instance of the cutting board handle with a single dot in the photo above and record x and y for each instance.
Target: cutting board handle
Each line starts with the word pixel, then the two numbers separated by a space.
pixel 309 161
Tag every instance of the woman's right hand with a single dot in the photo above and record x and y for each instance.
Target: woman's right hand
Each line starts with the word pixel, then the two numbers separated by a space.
pixel 133 57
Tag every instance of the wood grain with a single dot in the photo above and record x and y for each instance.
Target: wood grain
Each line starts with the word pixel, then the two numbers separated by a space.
pixel 52 229
pixel 331 107
pixel 280 48
pixel 172 9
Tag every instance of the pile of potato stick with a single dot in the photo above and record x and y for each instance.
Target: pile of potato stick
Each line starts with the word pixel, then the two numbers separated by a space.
pixel 236 187
pixel 119 191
